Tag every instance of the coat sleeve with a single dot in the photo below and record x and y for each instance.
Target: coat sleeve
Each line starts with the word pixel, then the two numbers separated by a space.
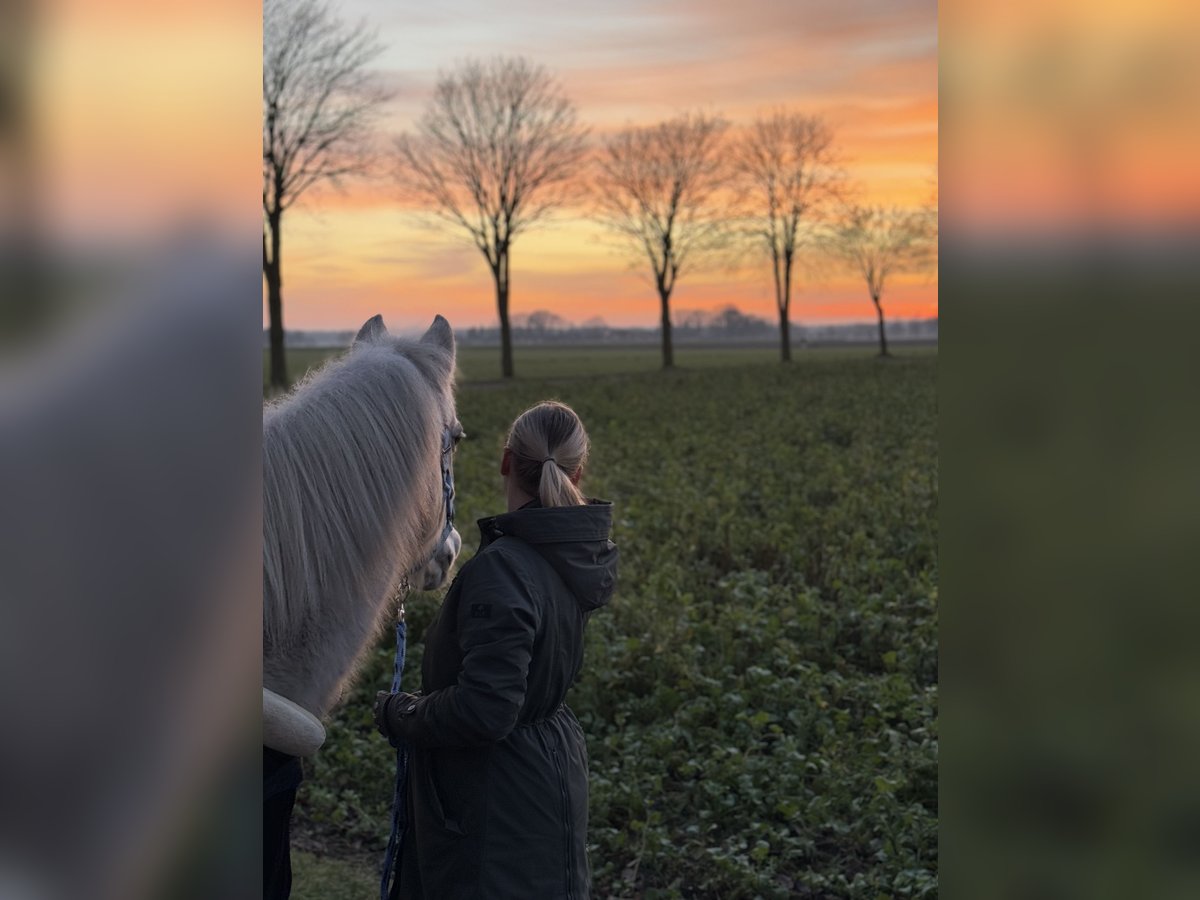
pixel 497 624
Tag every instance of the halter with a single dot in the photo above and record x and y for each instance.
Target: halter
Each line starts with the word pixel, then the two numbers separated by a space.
pixel 399 808
pixel 448 481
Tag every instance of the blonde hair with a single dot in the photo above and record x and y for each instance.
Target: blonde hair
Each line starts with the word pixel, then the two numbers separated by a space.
pixel 549 446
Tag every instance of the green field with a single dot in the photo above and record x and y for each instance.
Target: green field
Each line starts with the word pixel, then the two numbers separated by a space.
pixel 760 700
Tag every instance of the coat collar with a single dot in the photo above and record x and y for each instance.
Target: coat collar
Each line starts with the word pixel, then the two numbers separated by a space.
pixel 537 524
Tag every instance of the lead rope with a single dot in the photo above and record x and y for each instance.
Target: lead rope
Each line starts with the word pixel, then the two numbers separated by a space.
pixel 399 793
pixel 391 863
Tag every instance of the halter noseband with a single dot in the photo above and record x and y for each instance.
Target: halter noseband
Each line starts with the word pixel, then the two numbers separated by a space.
pixel 448 480
pixel 447 465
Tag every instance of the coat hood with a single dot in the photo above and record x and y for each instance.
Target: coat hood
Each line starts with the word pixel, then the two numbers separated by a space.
pixel 573 539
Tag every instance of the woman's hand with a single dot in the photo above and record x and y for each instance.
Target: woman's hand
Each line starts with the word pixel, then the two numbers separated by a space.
pixel 390 711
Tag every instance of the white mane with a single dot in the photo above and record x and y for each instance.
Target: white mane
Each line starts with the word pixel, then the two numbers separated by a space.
pixel 352 500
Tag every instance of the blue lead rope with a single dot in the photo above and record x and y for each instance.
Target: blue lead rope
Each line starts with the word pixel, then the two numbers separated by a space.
pixel 399 807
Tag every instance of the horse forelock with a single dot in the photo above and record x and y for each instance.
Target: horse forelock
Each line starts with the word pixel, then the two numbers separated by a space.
pixel 351 500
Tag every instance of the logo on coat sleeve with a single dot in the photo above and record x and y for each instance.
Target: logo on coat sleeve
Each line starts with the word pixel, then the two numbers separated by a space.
pixel 481 610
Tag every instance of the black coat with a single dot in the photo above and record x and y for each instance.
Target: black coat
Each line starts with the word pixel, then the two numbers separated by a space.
pixel 498 788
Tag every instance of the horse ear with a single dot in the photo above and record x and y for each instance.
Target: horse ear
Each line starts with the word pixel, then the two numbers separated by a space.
pixel 372 329
pixel 440 334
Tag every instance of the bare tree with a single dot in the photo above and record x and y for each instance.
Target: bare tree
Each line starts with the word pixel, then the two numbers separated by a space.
pixel 877 242
pixel 788 172
pixel 656 188
pixel 319 104
pixel 493 155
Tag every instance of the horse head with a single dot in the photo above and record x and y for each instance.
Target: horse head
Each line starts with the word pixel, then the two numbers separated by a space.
pixel 435 570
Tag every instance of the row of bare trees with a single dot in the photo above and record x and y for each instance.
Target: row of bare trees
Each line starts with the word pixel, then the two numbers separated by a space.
pixel 499 148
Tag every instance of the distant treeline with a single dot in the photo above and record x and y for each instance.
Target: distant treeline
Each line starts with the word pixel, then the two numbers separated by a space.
pixel 726 325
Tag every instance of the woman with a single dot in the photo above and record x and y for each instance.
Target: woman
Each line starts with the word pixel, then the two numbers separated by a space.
pixel 498 772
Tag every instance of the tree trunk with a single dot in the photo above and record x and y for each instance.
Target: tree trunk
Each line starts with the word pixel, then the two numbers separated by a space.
pixel 883 350
pixel 274 276
pixel 667 351
pixel 506 357
pixel 782 297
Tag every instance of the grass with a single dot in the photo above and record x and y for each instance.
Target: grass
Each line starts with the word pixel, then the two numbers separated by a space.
pixel 327 878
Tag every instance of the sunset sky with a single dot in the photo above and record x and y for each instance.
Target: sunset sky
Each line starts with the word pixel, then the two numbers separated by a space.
pixel 869 67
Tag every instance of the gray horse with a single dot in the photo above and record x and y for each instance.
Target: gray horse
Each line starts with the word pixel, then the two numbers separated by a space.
pixel 355 499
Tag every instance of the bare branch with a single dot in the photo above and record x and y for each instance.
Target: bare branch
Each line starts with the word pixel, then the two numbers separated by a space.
pixel 657 189
pixel 876 242
pixel 494 153
pixel 319 99
pixel 789 177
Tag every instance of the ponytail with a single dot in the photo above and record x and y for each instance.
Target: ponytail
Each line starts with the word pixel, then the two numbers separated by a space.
pixel 555 487
pixel 550 447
